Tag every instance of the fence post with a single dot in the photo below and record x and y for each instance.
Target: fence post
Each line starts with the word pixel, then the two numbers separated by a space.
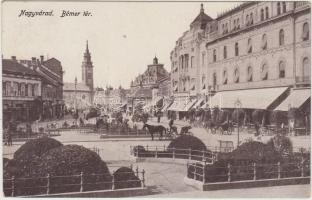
pixel 173 153
pixel 302 167
pixel 203 158
pixel 156 153
pixel 146 147
pixel 229 172
pixel 278 170
pixel 143 179
pixel 137 171
pixel 13 186
pixel 113 181
pixel 195 172
pixel 137 149
pixel 164 147
pixel 81 181
pixel 48 184
pixel 204 173
pixel 190 153
pixel 254 171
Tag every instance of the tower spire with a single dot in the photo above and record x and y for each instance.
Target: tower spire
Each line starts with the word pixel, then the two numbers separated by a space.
pixel 202 8
pixel 87 49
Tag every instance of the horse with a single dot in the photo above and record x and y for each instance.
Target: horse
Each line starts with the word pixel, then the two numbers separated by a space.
pixel 155 129
pixel 185 129
pixel 226 126
pixel 212 126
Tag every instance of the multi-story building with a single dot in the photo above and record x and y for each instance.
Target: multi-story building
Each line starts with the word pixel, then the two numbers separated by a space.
pixel 80 95
pixel 32 89
pixel 151 86
pixel 256 48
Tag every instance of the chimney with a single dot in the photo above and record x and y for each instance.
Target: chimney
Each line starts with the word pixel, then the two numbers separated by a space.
pixel 33 59
pixel 41 59
pixel 13 58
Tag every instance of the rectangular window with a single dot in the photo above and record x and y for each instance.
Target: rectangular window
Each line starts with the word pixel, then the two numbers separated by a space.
pixel 224 52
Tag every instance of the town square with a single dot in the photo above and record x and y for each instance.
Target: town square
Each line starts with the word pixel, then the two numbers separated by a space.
pixel 157 99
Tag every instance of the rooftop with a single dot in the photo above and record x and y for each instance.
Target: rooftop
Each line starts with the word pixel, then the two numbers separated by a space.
pixel 12 66
pixel 79 87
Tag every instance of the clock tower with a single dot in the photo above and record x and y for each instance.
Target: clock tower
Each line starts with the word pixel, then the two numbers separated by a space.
pixel 87 69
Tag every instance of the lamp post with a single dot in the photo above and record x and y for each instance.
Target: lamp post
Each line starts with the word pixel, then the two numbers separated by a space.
pixel 237 105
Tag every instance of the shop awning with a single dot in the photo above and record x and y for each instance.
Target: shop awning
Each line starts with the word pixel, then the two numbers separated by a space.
pixel 296 98
pixel 166 106
pixel 190 104
pixel 173 106
pixel 199 103
pixel 250 99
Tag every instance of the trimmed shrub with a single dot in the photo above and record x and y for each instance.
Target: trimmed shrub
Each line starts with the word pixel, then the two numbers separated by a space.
pixel 125 178
pixel 282 145
pixel 61 162
pixel 35 148
pixel 183 143
pixel 187 142
pixel 138 149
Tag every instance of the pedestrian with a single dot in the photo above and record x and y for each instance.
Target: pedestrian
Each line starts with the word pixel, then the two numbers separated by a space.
pixel 171 124
pixel 257 129
pixel 158 116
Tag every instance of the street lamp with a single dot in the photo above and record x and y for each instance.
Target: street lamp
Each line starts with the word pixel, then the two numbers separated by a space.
pixel 237 105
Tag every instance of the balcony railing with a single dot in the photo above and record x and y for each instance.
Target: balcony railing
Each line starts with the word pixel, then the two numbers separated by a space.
pixel 301 3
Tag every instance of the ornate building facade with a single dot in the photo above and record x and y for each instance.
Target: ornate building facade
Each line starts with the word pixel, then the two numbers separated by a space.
pixel 80 95
pixel 151 86
pixel 257 47
pixel 32 89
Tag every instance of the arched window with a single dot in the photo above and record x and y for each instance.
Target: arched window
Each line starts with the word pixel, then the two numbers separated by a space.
pixel 236 75
pixel 214 78
pixel 225 77
pixel 306 67
pixel 247 20
pixel 251 18
pixel 281 37
pixel 305 31
pixel 236 49
pixel 278 8
pixel 264 72
pixel 284 7
pixel 249 50
pixel 224 52
pixel 249 74
pixel 266 12
pixel 264 42
pixel 262 14
pixel 214 55
pixel 281 69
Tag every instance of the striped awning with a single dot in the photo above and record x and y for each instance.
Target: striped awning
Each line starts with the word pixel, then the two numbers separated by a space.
pixel 250 99
pixel 296 99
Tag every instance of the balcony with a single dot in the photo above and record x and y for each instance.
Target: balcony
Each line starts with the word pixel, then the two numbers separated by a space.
pixel 299 4
pixel 281 82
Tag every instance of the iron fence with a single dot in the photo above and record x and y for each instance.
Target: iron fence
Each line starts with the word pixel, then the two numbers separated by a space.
pixel 211 174
pixel 52 184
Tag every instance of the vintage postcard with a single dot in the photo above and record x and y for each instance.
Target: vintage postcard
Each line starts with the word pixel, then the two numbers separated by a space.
pixel 150 99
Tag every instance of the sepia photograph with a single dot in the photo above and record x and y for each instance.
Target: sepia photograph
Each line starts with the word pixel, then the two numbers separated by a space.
pixel 156 99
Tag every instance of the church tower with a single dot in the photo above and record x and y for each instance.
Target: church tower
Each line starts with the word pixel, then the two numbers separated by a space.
pixel 87 69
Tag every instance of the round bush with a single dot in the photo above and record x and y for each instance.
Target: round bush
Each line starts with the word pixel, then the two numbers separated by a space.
pixel 35 148
pixel 64 161
pixel 125 178
pixel 254 151
pixel 187 142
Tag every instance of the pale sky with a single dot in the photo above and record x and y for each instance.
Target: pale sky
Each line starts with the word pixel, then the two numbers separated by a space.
pixel 123 37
